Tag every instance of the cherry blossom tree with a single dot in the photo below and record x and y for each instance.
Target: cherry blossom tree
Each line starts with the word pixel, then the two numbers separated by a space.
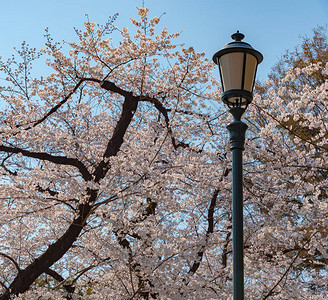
pixel 288 154
pixel 109 177
pixel 116 175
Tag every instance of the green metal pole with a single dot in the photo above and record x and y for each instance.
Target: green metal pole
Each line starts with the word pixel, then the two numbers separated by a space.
pixel 237 130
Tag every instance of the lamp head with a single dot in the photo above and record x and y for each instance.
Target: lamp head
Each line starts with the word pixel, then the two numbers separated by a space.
pixel 237 63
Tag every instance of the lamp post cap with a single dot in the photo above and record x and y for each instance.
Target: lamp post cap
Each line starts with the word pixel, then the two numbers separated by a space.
pixel 237 45
pixel 237 36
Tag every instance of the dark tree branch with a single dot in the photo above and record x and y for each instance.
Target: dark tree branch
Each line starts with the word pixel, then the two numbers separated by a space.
pixel 80 273
pixel 270 293
pixel 110 86
pixel 47 190
pixel 225 252
pixel 125 244
pixel 5 168
pixel 56 107
pixel 209 231
pixel 68 287
pixel 129 108
pixel 12 260
pixel 210 228
pixel 164 111
pixel 61 160
pixel 4 286
pixel 293 132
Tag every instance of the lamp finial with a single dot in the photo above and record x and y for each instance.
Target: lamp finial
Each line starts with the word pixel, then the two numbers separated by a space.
pixel 237 36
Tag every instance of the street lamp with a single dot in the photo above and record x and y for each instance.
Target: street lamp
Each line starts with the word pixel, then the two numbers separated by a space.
pixel 237 63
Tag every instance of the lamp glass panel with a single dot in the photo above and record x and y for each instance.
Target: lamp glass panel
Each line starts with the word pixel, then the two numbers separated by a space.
pixel 250 68
pixel 231 67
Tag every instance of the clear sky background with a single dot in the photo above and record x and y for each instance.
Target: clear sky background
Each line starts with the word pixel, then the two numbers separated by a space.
pixel 269 26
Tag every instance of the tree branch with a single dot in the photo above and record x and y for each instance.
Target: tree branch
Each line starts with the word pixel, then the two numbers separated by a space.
pixel 12 260
pixel 56 107
pixel 289 267
pixel 61 160
pixel 210 228
pixel 209 231
pixel 112 87
pixel 130 105
pixel 292 131
pixel 4 286
pixel 164 111
pixel 68 287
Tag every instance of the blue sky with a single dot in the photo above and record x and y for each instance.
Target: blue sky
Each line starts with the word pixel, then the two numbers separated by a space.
pixel 270 26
